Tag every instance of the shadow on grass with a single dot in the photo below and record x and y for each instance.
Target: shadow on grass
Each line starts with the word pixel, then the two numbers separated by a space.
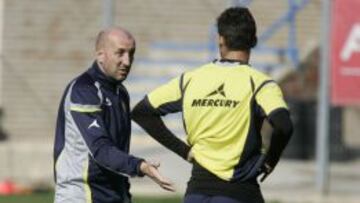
pixel 47 197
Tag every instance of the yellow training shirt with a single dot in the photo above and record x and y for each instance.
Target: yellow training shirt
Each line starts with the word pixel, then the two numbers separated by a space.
pixel 223 106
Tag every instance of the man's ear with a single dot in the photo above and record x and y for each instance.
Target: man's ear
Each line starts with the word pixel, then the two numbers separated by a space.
pixel 100 55
pixel 221 41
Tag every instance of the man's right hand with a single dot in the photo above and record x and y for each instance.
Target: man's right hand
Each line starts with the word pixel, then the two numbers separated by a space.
pixel 190 157
pixel 265 171
pixel 151 170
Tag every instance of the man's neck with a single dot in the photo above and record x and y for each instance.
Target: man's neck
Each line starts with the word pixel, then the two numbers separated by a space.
pixel 236 56
pixel 101 67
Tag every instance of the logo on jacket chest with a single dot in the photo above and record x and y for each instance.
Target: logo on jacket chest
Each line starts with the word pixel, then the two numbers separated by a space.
pixel 108 102
pixel 94 124
pixel 119 104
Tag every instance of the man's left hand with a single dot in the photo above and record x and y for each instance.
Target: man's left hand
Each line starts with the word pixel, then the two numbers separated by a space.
pixel 151 170
pixel 265 171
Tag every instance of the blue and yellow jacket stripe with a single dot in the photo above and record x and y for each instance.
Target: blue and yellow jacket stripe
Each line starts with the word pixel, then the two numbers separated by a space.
pixel 92 138
pixel 223 106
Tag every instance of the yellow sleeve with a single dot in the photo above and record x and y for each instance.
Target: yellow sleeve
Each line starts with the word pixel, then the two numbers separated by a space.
pixel 270 98
pixel 165 94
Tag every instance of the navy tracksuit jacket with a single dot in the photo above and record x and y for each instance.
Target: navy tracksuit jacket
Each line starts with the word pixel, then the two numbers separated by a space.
pixel 92 139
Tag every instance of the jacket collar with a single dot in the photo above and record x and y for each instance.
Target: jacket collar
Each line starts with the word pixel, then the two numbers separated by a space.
pixel 99 75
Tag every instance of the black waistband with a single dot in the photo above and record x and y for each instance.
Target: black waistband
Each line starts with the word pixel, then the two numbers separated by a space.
pixel 204 182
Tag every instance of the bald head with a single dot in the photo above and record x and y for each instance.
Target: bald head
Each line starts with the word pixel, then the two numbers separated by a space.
pixel 106 35
pixel 115 49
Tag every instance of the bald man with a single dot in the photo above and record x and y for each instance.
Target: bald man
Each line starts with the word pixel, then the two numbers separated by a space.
pixel 91 152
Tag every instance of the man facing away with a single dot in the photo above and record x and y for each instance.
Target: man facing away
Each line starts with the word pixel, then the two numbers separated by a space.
pixel 223 104
pixel 92 139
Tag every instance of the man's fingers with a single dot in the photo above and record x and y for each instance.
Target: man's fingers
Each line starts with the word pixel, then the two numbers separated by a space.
pixel 165 181
pixel 266 170
pixel 162 180
pixel 165 184
pixel 159 179
pixel 170 188
pixel 155 164
pixel 265 175
pixel 190 156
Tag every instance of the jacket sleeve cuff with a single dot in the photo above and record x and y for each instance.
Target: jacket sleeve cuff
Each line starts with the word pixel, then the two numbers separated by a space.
pixel 138 169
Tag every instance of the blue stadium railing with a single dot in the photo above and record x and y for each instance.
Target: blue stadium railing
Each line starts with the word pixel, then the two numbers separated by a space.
pixel 290 52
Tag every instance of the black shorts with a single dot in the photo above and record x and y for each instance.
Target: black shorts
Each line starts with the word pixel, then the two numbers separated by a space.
pixel 204 183
pixel 199 198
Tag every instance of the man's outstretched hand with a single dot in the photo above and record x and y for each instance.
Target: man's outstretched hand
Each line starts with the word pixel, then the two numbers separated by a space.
pixel 151 170
pixel 265 171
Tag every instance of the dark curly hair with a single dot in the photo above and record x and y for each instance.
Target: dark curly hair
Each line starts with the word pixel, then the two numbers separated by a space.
pixel 238 27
